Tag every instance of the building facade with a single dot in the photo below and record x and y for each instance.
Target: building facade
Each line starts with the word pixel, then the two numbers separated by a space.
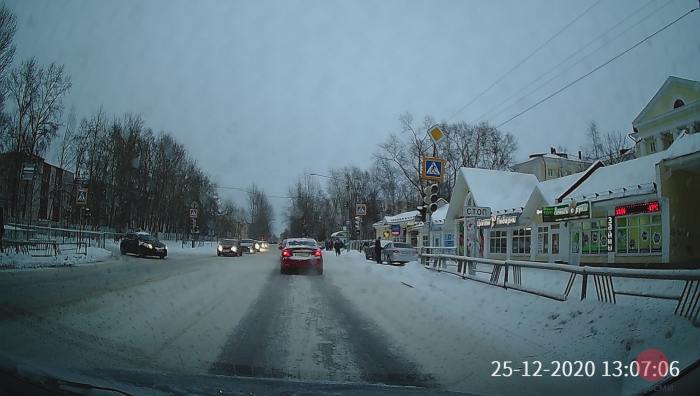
pixel 547 166
pixel 32 189
pixel 674 109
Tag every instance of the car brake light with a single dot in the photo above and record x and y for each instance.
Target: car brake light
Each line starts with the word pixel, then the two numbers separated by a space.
pixel 317 252
pixel 286 253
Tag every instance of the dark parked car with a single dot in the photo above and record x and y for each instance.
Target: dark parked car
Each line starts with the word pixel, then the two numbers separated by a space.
pixel 248 246
pixel 228 247
pixel 142 244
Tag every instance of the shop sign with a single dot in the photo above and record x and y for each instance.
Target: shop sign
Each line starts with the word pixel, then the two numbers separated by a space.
pixel 477 211
pixel 395 229
pixel 644 207
pixel 505 220
pixel 485 222
pixel 573 211
pixel 611 233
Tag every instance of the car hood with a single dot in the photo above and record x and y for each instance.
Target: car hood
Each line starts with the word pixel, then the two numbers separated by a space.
pixel 25 376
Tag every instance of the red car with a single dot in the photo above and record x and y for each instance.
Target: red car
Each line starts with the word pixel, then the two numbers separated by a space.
pixel 301 254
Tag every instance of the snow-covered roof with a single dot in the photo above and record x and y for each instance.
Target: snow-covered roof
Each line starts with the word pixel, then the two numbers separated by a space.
pixel 498 189
pixel 553 188
pixel 683 145
pixel 632 177
pixel 438 217
pixel 401 217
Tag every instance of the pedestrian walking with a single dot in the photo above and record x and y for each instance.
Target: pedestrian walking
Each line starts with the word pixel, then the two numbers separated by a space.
pixel 337 245
pixel 378 251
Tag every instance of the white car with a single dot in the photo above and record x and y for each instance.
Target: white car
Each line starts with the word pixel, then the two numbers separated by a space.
pixel 398 252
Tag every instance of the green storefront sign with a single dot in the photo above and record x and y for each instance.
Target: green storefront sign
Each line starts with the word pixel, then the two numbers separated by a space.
pixel 573 211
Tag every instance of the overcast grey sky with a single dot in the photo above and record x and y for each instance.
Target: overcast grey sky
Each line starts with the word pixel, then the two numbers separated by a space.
pixel 261 91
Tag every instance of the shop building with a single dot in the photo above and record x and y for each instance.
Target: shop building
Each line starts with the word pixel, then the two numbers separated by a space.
pixel 634 213
pixel 399 228
pixel 503 235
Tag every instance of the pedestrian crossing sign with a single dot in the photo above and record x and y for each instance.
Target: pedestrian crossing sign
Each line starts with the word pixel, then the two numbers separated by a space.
pixel 432 169
pixel 81 198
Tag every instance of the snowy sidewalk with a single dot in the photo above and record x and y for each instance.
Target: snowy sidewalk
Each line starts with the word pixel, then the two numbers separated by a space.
pixel 24 261
pixel 453 319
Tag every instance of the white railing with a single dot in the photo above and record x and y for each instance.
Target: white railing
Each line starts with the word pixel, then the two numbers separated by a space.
pixel 508 275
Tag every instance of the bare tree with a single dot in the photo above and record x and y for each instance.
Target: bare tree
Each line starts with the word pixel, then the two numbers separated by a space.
pixel 8 27
pixel 260 211
pixel 608 147
pixel 37 95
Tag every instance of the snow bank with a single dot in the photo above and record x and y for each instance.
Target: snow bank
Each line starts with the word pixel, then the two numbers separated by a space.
pixel 460 324
pixel 23 261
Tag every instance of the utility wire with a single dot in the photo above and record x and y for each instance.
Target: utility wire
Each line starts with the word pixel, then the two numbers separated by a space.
pixel 522 61
pixel 499 107
pixel 595 69
pixel 248 191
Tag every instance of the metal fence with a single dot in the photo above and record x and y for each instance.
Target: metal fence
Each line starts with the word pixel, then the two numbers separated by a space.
pixel 608 283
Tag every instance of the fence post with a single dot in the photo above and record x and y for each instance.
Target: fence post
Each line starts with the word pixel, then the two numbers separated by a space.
pixel 505 275
pixel 584 285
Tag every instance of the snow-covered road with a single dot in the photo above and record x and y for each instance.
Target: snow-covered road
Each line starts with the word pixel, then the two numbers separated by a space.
pixel 360 322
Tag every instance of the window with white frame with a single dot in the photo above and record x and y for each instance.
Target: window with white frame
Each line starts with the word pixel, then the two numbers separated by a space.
pixel 651 145
pixel 498 242
pixel 543 240
pixel 521 241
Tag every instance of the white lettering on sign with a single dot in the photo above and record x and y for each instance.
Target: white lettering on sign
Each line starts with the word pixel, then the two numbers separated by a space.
pixel 506 220
pixel 483 222
pixel 611 234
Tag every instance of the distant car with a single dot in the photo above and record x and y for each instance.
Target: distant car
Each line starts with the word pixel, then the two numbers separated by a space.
pixel 397 252
pixel 142 244
pixel 248 246
pixel 301 254
pixel 369 249
pixel 259 246
pixel 228 247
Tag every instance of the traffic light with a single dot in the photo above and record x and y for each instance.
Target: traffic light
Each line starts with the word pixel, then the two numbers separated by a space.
pixel 358 223
pixel 431 197
pixel 422 209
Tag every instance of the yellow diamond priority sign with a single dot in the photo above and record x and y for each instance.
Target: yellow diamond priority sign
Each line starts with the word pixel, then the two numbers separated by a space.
pixel 436 134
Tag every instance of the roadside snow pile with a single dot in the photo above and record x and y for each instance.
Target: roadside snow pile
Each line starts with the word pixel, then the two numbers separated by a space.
pixel 23 261
pixel 497 323
pixel 177 248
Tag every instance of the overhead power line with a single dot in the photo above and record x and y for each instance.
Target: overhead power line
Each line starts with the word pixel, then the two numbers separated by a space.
pixel 505 104
pixel 522 61
pixel 553 94
pixel 248 191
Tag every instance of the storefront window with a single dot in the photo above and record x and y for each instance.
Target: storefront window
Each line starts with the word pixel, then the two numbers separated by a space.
pixel 497 242
pixel 555 243
pixel 521 241
pixel 639 234
pixel 542 240
pixel 592 236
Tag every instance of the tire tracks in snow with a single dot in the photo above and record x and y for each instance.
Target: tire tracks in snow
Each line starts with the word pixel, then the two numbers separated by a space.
pixel 303 328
